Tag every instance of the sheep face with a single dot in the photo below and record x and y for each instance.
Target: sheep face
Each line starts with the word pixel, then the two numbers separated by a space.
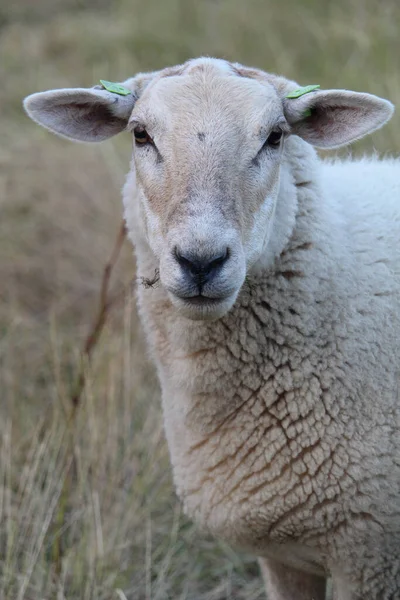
pixel 207 151
pixel 209 141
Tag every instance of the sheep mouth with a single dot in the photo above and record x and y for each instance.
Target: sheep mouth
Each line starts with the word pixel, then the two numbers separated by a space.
pixel 202 307
pixel 201 300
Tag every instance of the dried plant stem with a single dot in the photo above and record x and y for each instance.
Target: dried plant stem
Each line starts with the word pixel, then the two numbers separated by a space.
pixel 104 306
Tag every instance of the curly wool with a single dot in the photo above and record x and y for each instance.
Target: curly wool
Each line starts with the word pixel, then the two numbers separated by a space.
pixel 282 417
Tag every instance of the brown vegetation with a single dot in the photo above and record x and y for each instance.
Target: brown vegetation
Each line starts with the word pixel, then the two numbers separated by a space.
pixel 88 511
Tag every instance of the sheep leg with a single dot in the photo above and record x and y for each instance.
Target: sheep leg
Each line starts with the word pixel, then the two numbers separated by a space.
pixel 286 583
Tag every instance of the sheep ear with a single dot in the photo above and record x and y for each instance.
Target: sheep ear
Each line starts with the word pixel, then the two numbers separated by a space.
pixel 86 115
pixel 333 118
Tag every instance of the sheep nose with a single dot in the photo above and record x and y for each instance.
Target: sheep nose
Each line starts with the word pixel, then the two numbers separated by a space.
pixel 201 268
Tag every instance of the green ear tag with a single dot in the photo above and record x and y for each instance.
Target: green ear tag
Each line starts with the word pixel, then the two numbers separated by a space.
pixel 115 88
pixel 303 90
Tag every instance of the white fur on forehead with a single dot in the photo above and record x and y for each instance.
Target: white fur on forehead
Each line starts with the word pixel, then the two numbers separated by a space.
pixel 210 66
pixel 281 85
pixel 236 69
pixel 219 64
pixel 140 82
pixel 179 92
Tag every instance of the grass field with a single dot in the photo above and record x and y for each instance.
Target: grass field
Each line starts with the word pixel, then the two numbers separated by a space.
pixel 87 508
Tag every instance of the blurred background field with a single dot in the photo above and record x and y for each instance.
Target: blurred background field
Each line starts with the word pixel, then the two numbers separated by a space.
pixel 87 508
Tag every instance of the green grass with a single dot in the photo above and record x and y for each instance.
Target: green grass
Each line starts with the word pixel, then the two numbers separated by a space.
pixel 87 508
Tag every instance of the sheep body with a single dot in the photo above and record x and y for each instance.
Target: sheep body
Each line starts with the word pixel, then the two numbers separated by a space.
pixel 282 418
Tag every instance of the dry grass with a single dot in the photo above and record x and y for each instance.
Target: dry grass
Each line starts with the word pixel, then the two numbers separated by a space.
pixel 87 509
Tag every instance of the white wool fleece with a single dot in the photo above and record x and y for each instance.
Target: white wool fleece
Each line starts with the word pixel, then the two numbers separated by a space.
pixel 283 417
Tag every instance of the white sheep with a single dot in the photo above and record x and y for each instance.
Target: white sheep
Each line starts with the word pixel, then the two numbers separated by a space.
pixel 275 327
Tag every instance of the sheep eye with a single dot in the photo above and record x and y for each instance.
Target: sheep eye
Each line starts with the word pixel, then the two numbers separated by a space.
pixel 141 136
pixel 274 138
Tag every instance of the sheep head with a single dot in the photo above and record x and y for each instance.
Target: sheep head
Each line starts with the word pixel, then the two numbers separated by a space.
pixel 208 144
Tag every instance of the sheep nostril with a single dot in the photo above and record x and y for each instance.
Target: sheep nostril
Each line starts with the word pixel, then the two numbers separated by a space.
pixel 219 261
pixel 200 268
